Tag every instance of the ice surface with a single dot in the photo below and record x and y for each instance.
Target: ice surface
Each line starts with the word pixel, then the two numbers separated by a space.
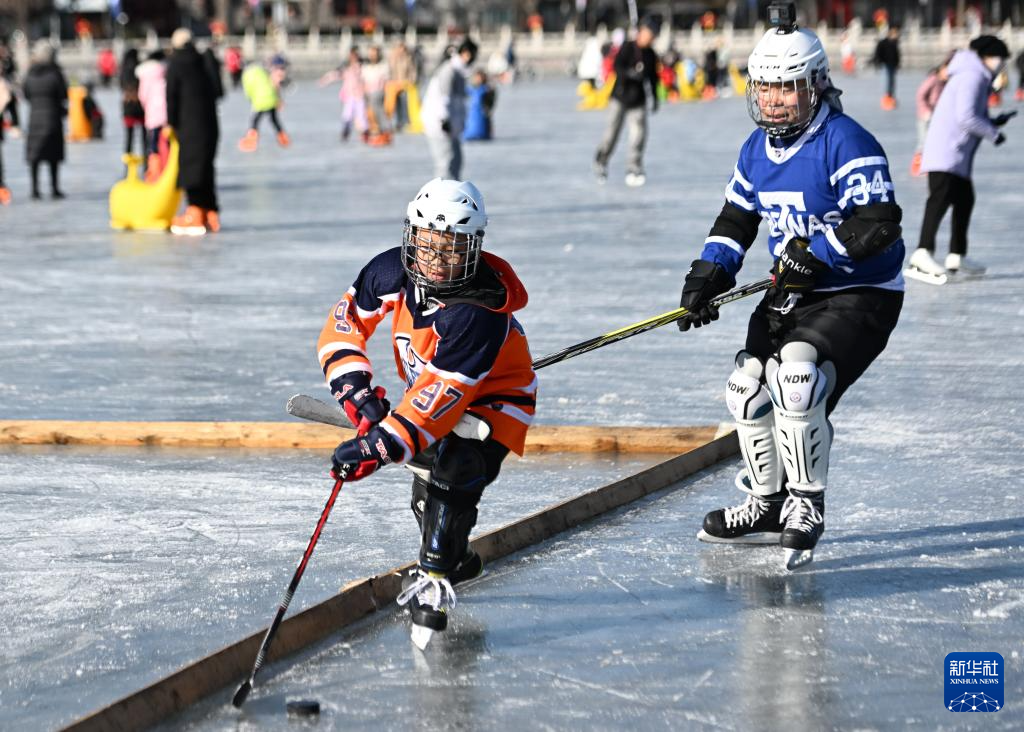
pixel 123 565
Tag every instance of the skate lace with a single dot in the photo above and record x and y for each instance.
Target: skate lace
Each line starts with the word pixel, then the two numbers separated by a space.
pixel 799 514
pixel 435 592
pixel 747 513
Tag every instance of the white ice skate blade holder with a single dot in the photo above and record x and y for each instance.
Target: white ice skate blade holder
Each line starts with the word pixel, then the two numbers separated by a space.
pixel 797 558
pixel 764 538
pixel 421 636
pixel 916 274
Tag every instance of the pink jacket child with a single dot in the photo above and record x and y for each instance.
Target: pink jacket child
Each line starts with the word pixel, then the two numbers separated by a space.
pixel 352 95
pixel 929 92
pixel 927 97
pixel 152 75
pixel 353 100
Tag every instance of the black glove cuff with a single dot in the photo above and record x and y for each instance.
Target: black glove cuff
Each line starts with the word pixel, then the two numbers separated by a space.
pixel 355 381
pixel 706 278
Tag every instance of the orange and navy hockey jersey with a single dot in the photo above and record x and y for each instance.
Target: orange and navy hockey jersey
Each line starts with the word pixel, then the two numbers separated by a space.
pixel 467 353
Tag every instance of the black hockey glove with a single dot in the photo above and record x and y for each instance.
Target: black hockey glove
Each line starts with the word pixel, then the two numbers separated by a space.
pixel 1004 118
pixel 446 127
pixel 1000 139
pixel 364 405
pixel 364 455
pixel 797 269
pixel 703 282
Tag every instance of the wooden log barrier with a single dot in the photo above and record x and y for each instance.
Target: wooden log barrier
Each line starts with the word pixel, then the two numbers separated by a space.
pixel 541 438
pixel 228 666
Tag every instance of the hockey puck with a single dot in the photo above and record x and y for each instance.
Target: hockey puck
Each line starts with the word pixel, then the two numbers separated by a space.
pixel 303 707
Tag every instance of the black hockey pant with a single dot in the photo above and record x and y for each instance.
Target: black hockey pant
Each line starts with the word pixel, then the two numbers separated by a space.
pixel 850 328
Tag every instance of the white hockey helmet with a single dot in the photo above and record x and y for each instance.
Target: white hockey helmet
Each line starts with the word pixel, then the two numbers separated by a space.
pixel 444 232
pixel 784 61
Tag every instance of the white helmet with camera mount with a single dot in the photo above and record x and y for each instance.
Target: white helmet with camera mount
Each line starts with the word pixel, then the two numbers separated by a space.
pixel 787 75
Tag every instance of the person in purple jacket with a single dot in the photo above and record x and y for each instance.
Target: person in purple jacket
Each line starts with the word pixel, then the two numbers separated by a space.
pixel 959 123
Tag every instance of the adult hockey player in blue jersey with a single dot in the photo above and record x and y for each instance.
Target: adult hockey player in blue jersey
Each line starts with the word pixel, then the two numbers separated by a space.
pixel 821 182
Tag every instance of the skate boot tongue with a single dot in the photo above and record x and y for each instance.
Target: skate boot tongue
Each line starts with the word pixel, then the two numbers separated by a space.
pixel 804 516
pixel 430 596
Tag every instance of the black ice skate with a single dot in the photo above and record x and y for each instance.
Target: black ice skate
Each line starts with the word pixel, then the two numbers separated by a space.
pixel 430 597
pixel 755 521
pixel 470 567
pixel 804 515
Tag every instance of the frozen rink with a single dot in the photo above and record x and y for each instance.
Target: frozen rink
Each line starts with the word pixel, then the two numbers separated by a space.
pixel 122 565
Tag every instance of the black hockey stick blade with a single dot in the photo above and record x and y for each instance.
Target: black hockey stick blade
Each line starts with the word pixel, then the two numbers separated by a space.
pixel 645 325
pixel 242 694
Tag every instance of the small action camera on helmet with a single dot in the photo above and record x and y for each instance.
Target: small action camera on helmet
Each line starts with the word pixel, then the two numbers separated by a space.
pixel 782 16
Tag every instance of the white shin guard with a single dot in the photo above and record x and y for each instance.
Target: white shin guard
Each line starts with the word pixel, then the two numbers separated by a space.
pixel 751 407
pixel 799 389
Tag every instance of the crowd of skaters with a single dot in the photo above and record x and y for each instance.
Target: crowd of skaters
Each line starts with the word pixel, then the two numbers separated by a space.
pixel 177 88
pixel 375 85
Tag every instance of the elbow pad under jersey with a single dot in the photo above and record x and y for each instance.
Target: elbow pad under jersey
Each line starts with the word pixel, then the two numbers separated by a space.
pixel 871 230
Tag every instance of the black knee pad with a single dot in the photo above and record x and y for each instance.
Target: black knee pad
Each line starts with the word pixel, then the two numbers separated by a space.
pixel 460 470
pixel 419 499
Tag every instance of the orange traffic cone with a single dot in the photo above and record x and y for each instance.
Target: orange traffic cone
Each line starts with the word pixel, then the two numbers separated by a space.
pixel 5 196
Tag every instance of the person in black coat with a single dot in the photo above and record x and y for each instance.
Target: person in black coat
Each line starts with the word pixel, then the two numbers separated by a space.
pixel 192 112
pixel 636 67
pixel 887 55
pixel 132 113
pixel 46 91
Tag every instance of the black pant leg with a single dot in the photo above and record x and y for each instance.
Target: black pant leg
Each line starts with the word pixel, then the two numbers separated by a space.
pixel 204 195
pixel 273 119
pixel 939 199
pixel 256 117
pixel 963 205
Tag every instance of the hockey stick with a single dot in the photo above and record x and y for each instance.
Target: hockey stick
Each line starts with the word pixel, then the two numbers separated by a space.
pixel 243 691
pixel 645 325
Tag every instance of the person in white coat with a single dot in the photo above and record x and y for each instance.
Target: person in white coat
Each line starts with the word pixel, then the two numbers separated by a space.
pixel 444 111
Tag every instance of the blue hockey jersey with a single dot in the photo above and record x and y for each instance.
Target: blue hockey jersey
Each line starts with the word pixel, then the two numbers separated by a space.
pixel 806 189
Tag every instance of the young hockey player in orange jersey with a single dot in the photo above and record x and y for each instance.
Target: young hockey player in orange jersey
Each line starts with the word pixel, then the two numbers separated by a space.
pixel 470 387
